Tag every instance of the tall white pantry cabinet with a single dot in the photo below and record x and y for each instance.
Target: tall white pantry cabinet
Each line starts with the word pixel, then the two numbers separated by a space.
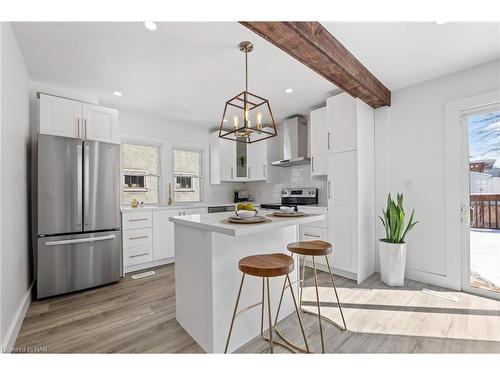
pixel 351 185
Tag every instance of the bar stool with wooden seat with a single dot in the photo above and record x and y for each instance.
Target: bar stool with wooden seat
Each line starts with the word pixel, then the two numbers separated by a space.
pixel 315 249
pixel 266 266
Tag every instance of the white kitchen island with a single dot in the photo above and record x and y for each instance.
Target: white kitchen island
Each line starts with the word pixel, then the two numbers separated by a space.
pixel 207 278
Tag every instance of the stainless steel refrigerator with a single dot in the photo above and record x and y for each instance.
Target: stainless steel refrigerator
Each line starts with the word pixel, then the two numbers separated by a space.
pixel 78 242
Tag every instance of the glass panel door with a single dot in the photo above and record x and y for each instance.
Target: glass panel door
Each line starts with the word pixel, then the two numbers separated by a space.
pixel 241 160
pixel 481 271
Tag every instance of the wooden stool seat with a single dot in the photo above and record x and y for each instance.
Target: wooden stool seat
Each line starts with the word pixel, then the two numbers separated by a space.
pixel 311 248
pixel 266 265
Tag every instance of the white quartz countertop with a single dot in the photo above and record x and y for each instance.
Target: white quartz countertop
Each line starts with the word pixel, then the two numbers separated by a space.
pixel 181 206
pixel 217 222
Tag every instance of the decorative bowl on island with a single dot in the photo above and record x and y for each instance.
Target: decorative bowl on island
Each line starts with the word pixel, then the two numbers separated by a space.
pixel 246 214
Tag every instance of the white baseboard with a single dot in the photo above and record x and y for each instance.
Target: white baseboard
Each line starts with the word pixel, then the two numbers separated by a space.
pixel 15 326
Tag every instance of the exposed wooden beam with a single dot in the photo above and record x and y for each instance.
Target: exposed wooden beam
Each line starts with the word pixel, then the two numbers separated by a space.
pixel 314 46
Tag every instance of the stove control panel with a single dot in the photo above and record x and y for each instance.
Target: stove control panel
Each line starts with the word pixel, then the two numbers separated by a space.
pixel 299 193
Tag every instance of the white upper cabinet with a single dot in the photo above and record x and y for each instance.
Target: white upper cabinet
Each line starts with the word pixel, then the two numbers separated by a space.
pixel 257 161
pixel 59 116
pixel 74 119
pixel 100 123
pixel 318 142
pixel 232 161
pixel 227 150
pixel 342 123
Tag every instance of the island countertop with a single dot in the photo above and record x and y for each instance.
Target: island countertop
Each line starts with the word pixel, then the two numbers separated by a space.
pixel 217 222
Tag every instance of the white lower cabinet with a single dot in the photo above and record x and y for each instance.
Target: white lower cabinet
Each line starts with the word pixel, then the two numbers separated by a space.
pixel 163 229
pixel 148 236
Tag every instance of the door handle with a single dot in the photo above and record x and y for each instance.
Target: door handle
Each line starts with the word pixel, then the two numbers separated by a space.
pixel 248 172
pixel 231 172
pixel 312 163
pixel 78 127
pixel 311 235
pixel 328 140
pixel 85 128
pixel 264 170
pixel 80 240
pixel 329 189
pixel 142 219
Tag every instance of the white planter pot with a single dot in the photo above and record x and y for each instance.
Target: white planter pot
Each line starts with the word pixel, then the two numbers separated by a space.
pixel 392 258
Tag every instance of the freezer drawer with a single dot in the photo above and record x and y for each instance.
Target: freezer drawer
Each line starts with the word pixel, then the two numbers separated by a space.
pixel 69 263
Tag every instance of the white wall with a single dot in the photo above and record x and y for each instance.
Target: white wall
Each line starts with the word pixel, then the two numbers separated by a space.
pixel 410 158
pixel 279 177
pixel 16 273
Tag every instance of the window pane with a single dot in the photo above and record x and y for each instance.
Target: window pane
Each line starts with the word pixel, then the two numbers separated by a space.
pixel 140 159
pixel 187 162
pixel 148 194
pixel 184 194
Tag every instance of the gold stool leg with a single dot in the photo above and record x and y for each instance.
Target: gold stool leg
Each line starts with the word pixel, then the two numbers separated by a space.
pixel 318 304
pixel 234 313
pixel 287 344
pixel 269 316
pixel 303 278
pixel 336 294
pixel 298 313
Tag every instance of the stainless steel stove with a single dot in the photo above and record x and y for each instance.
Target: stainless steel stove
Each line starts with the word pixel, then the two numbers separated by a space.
pixel 293 197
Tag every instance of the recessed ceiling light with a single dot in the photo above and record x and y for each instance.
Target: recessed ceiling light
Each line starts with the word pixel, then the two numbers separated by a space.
pixel 150 25
pixel 440 22
pixel 289 91
pixel 117 93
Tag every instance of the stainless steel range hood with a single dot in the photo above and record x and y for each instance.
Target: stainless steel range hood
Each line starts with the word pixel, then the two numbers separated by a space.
pixel 294 143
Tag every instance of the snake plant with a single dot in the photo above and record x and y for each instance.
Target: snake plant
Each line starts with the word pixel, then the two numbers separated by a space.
pixel 394 220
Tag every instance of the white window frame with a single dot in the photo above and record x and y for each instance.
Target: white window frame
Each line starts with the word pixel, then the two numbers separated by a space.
pixel 199 150
pixel 138 142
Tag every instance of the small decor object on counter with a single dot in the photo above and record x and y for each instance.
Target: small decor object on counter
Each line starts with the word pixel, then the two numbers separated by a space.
pixel 287 209
pixel 169 193
pixel 248 206
pixel 288 214
pixel 252 220
pixel 246 214
pixel 392 249
pixel 134 203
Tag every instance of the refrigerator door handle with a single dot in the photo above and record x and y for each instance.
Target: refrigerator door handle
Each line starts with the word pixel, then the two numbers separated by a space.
pixel 80 240
pixel 86 182
pixel 79 184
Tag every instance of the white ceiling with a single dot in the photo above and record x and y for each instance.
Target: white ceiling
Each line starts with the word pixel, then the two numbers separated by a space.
pixel 183 72
pixel 401 54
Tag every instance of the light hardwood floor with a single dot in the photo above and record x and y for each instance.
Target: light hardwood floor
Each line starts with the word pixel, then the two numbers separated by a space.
pixel 138 316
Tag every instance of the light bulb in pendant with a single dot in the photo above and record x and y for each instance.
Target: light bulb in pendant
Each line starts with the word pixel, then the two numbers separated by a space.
pixel 259 120
pixel 236 122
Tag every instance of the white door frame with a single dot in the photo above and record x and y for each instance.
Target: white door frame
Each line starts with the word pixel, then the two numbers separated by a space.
pixel 454 159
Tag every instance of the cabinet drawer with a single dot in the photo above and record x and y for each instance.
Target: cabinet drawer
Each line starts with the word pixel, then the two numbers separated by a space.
pixel 137 255
pixel 137 237
pixel 136 220
pixel 311 233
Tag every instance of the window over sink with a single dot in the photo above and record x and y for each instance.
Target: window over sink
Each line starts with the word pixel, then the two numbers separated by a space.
pixel 187 175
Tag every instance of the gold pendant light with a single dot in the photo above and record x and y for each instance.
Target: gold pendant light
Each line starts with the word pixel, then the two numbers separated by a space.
pixel 247 117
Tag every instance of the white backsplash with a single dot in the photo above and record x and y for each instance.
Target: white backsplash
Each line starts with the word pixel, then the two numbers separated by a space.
pixel 278 178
